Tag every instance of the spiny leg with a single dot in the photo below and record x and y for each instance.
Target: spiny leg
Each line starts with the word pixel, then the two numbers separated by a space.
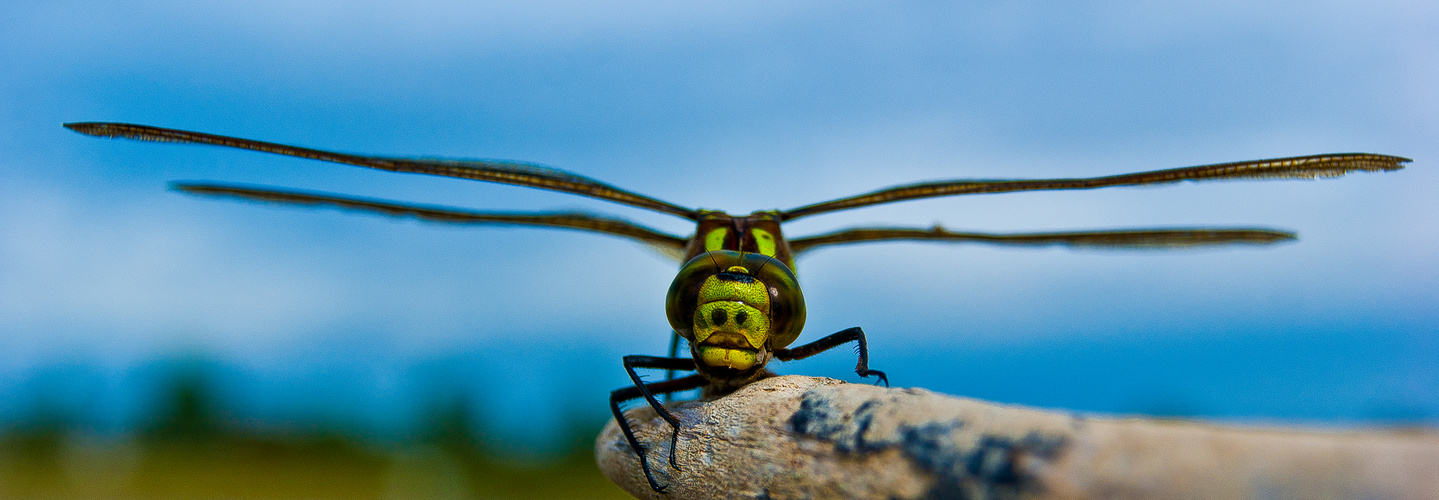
pixel 833 340
pixel 641 361
pixel 625 394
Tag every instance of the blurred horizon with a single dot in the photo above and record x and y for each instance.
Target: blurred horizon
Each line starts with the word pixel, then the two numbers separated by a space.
pixel 311 319
pixel 191 444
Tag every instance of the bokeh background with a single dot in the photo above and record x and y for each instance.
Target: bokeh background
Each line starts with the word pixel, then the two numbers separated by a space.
pixel 153 344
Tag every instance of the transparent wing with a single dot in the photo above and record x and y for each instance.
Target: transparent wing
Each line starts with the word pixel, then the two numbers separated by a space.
pixel 666 243
pixel 1135 238
pixel 1301 167
pixel 505 172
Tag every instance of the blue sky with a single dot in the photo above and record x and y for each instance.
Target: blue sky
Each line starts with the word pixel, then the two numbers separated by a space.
pixel 105 275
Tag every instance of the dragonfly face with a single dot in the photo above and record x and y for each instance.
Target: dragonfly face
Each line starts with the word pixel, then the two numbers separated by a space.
pixel 735 309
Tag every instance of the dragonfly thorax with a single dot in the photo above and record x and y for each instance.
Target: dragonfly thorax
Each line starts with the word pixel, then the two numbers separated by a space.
pixel 758 232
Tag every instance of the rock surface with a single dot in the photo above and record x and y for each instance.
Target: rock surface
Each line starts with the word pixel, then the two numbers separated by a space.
pixel 806 437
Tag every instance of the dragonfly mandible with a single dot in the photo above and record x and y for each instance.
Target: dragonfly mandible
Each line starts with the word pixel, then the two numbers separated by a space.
pixel 736 300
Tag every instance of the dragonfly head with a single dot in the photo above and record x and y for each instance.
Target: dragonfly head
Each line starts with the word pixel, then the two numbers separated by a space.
pixel 735 309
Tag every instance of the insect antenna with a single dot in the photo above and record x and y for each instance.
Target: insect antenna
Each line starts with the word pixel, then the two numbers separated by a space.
pixel 761 267
pixel 718 269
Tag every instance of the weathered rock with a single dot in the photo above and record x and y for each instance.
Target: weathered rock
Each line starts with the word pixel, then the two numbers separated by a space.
pixel 806 437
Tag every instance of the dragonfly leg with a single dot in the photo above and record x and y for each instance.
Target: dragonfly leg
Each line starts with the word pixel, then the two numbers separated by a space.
pixel 833 340
pixel 646 390
pixel 640 361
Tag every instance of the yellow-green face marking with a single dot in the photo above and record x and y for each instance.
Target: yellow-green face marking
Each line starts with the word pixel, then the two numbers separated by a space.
pixel 715 239
pixel 731 323
pixel 764 242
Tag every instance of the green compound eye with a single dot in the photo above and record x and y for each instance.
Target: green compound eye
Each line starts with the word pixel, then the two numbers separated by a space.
pixel 785 311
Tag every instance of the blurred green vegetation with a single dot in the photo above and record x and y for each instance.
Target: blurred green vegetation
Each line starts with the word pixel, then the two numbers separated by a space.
pixel 191 449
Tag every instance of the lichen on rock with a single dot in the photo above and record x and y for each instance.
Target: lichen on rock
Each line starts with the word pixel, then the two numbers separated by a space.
pixel 808 437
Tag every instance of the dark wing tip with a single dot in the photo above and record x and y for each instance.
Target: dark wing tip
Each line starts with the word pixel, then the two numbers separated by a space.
pixel 196 189
pixel 1370 162
pixel 115 130
pixel 187 187
pixel 1398 161
pixel 97 129
pixel 204 189
pixel 1377 162
pixel 1281 237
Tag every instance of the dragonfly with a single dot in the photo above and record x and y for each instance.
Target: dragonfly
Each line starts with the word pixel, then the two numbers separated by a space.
pixel 736 301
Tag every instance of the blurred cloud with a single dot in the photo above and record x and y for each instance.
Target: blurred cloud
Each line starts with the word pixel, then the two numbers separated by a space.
pixel 137 273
